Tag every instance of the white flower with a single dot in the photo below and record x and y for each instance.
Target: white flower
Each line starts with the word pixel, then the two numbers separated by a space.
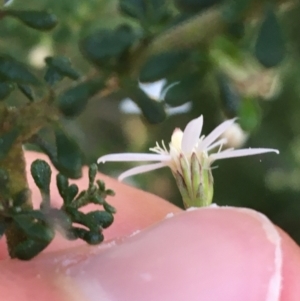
pixel 189 157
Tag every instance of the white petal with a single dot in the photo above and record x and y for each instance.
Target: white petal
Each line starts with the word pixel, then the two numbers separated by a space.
pixel 209 139
pixel 241 153
pixel 219 142
pixel 191 134
pixel 126 157
pixel 140 169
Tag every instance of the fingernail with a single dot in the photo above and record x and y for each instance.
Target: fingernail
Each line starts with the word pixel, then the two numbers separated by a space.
pixel 212 254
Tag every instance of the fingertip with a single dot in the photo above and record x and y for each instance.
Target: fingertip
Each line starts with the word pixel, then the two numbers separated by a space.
pixel 290 269
pixel 211 254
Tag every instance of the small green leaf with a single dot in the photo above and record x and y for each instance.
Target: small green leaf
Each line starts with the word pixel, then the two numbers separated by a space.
pixel 41 173
pixel 249 114
pixel 63 66
pixel 105 47
pixel 110 192
pixel 34 229
pixel 62 184
pixel 12 70
pixel 161 65
pixel 52 76
pixel 73 101
pixel 102 218
pixel 101 185
pixel 5 89
pixel 29 248
pixel 48 148
pixel 97 199
pixel 109 208
pixel 27 91
pixel 270 45
pixel 69 157
pixel 71 193
pixel 40 20
pixel 7 140
pixel 93 169
pixel 93 237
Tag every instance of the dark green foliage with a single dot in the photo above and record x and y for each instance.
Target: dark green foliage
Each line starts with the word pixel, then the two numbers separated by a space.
pixel 58 68
pixel 27 91
pixel 105 47
pixel 161 65
pixel 21 197
pixel 39 226
pixel 229 96
pixel 62 183
pixel 270 45
pixel 73 101
pixel 5 89
pixel 103 218
pixel 194 6
pixel 180 92
pixel 93 238
pixel 69 156
pixel 30 248
pixel 153 110
pixel 3 226
pixel 235 9
pixel 34 226
pixel 63 66
pixel 40 20
pixel 236 29
pixel 41 173
pixel 14 71
pixel 148 12
pixel 38 233
pixel 7 140
pixel 92 173
pixel 133 8
pixel 52 76
pixel 94 221
pixel 4 179
pixel 249 114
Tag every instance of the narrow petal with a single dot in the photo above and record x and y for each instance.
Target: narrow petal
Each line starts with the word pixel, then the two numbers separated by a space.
pixel 218 143
pixel 191 134
pixel 140 169
pixel 127 157
pixel 207 141
pixel 241 153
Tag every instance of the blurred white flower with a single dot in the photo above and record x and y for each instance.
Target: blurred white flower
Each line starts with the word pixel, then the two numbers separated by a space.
pixel 154 91
pixel 235 136
pixel 38 54
pixel 189 157
pixel 8 2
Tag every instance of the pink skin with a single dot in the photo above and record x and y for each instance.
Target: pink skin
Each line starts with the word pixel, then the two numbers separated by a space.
pixel 215 254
